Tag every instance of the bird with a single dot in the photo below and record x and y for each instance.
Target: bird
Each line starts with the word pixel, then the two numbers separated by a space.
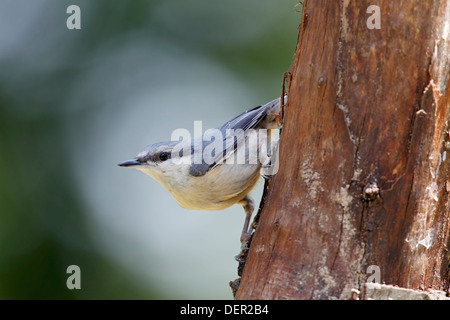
pixel 221 167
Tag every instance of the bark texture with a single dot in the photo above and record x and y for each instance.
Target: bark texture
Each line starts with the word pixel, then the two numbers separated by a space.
pixel 364 174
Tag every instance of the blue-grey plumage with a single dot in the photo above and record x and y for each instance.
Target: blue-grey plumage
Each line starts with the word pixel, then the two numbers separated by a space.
pixel 217 181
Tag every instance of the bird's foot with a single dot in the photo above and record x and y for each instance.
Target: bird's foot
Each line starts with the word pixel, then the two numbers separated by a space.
pixel 270 165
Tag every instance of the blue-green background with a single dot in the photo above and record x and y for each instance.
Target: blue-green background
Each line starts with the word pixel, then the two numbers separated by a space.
pixel 74 103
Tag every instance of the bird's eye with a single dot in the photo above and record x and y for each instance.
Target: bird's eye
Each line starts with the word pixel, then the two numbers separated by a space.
pixel 163 156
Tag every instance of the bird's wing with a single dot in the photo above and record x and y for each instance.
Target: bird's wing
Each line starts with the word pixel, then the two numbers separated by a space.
pixel 235 129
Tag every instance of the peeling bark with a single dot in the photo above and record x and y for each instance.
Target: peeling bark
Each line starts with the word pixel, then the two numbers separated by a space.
pixel 364 156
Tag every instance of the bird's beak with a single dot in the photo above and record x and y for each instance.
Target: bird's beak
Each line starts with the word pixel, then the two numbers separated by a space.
pixel 130 163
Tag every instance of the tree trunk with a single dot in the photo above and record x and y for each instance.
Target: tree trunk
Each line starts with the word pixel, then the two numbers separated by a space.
pixel 364 178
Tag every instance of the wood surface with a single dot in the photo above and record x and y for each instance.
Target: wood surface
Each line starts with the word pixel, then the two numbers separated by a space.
pixel 364 176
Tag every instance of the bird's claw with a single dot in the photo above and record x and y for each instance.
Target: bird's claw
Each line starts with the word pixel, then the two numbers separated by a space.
pixel 270 165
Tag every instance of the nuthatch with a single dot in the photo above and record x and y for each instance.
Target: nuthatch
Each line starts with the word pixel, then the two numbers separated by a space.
pixel 220 168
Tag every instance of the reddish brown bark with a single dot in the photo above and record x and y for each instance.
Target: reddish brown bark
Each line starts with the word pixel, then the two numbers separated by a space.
pixel 364 173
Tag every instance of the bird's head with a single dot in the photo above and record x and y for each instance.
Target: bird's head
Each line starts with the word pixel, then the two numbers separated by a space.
pixel 160 161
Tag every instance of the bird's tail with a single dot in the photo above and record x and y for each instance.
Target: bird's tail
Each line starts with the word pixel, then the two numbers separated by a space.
pixel 272 110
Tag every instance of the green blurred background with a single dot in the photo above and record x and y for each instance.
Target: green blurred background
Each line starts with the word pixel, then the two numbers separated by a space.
pixel 74 103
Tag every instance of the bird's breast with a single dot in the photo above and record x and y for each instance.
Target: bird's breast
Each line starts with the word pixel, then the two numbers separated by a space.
pixel 218 189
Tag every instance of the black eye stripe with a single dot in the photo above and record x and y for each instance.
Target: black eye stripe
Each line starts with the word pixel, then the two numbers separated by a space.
pixel 163 156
